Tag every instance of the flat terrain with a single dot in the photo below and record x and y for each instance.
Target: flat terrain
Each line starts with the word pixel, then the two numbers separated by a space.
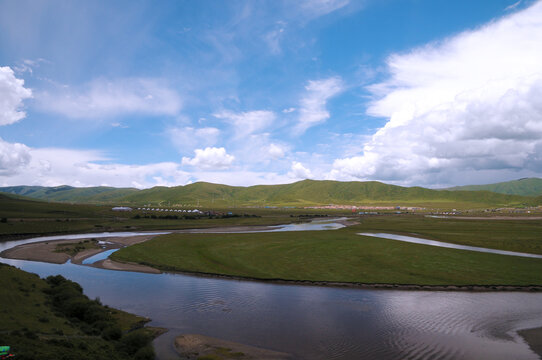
pixel 343 256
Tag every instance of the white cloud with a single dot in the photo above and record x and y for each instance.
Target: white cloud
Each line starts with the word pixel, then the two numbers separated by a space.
pixel 298 171
pixel 246 123
pixel 13 157
pixel 188 138
pixel 469 104
pixel 312 109
pixel 289 110
pixel 210 158
pixel 317 8
pixel 276 151
pixel 53 167
pixel 12 94
pixel 106 98
pixel 273 38
pixel 513 6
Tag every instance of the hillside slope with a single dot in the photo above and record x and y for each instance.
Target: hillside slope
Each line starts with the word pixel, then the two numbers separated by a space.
pixel 523 187
pixel 302 193
pixel 98 194
pixel 313 192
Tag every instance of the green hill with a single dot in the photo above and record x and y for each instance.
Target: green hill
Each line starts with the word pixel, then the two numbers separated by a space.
pixel 98 194
pixel 302 193
pixel 523 187
pixel 312 192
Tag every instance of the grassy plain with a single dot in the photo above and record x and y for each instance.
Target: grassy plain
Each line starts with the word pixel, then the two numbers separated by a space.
pixel 22 217
pixel 343 256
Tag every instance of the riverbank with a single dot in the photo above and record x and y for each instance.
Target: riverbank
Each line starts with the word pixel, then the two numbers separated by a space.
pixel 319 258
pixel 51 251
pixel 41 321
pixel 533 337
pixel 194 346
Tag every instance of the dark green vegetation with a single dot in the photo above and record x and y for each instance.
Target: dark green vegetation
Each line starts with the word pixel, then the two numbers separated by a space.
pixel 524 187
pixel 302 193
pixel 52 319
pixel 343 256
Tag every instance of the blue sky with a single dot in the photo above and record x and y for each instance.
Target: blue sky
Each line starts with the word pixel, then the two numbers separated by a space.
pixel 143 93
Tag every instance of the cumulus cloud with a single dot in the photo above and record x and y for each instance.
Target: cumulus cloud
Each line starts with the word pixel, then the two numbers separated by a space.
pixel 312 110
pixel 188 138
pixel 107 98
pixel 210 158
pixel 54 166
pixel 298 171
pixel 246 123
pixel 468 104
pixel 13 157
pixel 12 94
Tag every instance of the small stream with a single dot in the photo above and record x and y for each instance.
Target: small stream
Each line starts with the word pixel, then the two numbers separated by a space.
pixel 313 322
pixel 416 240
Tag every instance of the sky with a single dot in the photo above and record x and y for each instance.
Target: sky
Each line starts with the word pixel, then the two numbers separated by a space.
pixel 431 93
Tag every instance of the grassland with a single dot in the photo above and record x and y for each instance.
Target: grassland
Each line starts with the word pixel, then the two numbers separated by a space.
pixel 24 217
pixel 52 319
pixel 344 256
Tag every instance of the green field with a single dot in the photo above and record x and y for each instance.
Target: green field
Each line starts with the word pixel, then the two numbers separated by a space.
pixel 343 256
pixel 51 319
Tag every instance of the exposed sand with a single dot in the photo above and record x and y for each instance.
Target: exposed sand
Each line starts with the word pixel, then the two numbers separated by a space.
pixel 45 250
pixel 533 337
pixel 39 251
pixel 193 346
pixel 121 266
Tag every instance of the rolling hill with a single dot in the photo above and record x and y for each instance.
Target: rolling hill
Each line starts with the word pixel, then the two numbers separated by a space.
pixel 523 187
pixel 302 193
pixel 98 194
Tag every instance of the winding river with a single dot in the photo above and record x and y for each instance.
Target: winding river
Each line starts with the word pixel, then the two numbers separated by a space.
pixel 313 322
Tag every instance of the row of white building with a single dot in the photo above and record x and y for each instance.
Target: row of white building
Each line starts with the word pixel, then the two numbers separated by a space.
pixel 195 211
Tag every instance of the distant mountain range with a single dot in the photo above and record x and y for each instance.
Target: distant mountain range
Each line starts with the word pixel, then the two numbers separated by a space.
pixel 302 193
pixel 524 187
pixel 98 194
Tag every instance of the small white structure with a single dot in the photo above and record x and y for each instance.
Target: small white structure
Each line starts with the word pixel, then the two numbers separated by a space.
pixel 122 208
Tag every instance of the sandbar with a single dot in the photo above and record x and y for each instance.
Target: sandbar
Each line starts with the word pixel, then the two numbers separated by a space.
pixel 533 337
pixel 193 346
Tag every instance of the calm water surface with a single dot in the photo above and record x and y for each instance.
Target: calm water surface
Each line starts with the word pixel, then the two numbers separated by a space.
pixel 416 240
pixel 316 322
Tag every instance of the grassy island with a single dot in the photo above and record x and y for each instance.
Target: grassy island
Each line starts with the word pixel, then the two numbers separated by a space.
pixel 344 256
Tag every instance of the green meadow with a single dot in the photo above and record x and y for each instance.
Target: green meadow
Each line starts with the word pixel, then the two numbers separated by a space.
pixel 343 256
pixel 51 319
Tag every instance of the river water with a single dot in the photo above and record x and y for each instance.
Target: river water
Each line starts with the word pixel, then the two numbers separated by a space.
pixel 315 322
pixel 417 240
